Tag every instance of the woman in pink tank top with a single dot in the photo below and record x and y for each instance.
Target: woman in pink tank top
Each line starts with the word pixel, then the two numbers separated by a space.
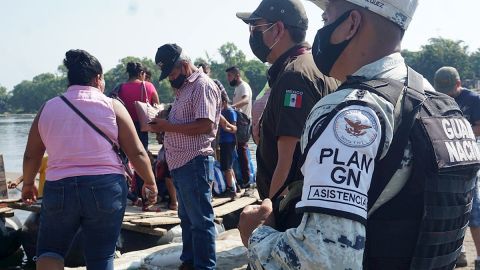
pixel 85 185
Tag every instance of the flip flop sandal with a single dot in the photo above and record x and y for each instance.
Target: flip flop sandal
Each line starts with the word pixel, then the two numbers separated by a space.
pixel 152 208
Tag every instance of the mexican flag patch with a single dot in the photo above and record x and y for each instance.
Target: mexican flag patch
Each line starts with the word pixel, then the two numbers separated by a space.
pixel 293 99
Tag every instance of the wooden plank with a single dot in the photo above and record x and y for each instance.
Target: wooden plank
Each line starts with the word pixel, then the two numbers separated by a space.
pixel 233 206
pixel 3 180
pixel 21 206
pixel 5 210
pixel 8 214
pixel 220 201
pixel 10 200
pixel 152 231
pixel 128 218
pixel 156 221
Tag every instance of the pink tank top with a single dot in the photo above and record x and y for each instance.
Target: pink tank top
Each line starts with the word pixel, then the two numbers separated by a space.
pixel 131 92
pixel 73 147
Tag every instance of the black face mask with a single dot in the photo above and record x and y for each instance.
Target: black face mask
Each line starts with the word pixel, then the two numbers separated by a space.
pixel 233 82
pixel 178 82
pixel 325 54
pixel 259 49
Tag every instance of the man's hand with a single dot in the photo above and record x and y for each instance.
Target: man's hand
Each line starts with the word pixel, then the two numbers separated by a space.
pixel 252 217
pixel 159 125
pixel 29 194
pixel 150 192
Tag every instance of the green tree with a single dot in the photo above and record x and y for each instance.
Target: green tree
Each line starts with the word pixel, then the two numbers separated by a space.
pixel 253 71
pixel 29 96
pixel 3 99
pixel 475 64
pixel 438 53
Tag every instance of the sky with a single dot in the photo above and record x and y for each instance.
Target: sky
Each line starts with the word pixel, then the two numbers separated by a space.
pixel 36 34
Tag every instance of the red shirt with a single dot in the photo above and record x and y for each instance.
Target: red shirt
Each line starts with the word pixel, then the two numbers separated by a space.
pixel 131 92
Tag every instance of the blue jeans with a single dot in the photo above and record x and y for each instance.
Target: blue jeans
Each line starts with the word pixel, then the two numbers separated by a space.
pixel 192 182
pixel 96 204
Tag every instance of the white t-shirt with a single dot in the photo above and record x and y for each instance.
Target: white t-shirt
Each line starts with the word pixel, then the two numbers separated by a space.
pixel 243 89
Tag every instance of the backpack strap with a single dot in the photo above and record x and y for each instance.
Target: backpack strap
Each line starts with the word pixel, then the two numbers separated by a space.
pixel 406 111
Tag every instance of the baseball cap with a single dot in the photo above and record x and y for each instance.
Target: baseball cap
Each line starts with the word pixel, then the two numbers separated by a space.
pixel 290 12
pixel 166 57
pixel 445 79
pixel 398 11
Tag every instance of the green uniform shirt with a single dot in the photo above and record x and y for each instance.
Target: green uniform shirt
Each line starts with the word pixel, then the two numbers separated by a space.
pixel 296 85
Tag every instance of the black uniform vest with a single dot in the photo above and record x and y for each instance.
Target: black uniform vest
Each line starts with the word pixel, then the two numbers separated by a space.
pixel 423 226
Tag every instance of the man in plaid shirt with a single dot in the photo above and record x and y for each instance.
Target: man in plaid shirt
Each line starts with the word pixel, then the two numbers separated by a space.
pixel 189 132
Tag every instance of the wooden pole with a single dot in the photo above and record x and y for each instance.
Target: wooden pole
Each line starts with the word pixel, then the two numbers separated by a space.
pixel 3 180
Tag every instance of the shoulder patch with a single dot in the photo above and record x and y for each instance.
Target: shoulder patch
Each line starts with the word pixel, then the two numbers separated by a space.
pixel 355 128
pixel 293 99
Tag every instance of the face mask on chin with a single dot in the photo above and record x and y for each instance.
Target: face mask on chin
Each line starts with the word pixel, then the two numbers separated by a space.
pixel 325 54
pixel 178 82
pixel 259 49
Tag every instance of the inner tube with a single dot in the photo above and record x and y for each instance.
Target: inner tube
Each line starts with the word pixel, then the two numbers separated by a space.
pixel 10 228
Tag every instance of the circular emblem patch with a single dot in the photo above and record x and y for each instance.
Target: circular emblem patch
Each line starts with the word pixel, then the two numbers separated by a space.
pixel 355 128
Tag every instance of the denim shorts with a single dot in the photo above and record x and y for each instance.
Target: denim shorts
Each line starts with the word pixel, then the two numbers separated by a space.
pixel 226 155
pixel 95 204
pixel 475 214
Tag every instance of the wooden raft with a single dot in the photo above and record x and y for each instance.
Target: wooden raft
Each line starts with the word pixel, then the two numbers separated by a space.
pixel 158 223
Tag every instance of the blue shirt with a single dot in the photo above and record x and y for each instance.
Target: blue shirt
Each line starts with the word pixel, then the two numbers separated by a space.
pixel 469 103
pixel 231 116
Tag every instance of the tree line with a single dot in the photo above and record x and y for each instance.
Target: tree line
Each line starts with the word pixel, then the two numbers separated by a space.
pixel 29 95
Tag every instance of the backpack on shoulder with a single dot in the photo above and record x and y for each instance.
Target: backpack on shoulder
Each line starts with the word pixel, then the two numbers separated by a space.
pixel 243 127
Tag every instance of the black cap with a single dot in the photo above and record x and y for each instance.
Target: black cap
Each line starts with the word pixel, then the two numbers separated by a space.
pixel 290 12
pixel 166 57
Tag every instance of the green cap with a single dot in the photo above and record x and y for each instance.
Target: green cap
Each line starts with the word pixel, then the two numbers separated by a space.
pixel 445 79
pixel 290 12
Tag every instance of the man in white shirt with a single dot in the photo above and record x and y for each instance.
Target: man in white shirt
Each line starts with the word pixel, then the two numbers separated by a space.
pixel 242 102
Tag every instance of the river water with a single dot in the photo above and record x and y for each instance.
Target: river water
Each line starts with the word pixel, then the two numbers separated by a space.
pixel 14 129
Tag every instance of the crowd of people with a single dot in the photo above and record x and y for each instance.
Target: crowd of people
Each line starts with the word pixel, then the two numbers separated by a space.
pixel 361 162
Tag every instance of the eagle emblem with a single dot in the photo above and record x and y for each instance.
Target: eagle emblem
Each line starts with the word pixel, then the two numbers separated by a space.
pixel 355 128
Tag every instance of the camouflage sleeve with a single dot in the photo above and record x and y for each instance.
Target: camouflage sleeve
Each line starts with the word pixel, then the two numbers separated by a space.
pixel 320 242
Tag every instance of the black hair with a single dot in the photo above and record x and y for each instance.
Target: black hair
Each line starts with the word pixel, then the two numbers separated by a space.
pixel 224 96
pixel 235 70
pixel 134 69
pixel 296 34
pixel 82 67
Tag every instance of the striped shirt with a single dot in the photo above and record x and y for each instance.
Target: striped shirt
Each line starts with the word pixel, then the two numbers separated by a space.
pixel 198 98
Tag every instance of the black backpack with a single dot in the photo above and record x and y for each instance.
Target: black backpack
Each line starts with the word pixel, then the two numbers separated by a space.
pixel 243 127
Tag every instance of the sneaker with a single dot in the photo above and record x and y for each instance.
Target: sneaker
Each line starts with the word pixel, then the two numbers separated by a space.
pixel 230 193
pixel 477 264
pixel 462 260
pixel 249 192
